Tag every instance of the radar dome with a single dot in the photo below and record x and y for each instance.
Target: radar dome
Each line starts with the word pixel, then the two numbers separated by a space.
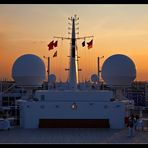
pixel 52 78
pixel 28 70
pixel 94 78
pixel 118 70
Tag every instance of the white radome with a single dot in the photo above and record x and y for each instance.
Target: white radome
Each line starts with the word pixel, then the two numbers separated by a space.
pixel 118 70
pixel 94 78
pixel 29 70
pixel 52 78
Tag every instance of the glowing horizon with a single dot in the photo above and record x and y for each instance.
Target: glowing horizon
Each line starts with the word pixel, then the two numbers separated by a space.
pixel 27 29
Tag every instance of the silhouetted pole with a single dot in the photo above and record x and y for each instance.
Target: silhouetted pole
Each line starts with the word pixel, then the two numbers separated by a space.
pixel 99 71
pixel 48 70
pixel 48 67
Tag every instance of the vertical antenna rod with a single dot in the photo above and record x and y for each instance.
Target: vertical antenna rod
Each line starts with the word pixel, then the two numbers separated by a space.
pixel 99 71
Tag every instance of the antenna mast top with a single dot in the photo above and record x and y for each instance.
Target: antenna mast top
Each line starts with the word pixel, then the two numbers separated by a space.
pixel 73 62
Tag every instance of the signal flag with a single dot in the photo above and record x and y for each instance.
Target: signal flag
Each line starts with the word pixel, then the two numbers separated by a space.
pixel 50 45
pixel 90 44
pixel 55 54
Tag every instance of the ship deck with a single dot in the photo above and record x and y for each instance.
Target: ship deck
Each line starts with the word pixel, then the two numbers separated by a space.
pixel 71 135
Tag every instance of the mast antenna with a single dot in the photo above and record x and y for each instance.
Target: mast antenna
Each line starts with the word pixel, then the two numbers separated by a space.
pixel 73 61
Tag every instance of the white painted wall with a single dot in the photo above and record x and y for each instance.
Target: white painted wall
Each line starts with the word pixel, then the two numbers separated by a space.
pixel 31 112
pixel 69 95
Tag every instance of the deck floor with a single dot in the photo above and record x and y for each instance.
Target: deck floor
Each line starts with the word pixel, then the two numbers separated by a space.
pixel 71 135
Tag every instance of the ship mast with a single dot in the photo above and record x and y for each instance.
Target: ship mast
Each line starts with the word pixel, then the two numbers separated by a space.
pixel 73 70
pixel 73 62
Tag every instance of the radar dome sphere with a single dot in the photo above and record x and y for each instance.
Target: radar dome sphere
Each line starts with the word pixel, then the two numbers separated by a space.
pixel 94 78
pixel 52 78
pixel 29 70
pixel 118 70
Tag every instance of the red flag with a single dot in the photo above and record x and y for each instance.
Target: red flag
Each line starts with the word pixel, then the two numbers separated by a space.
pixel 90 44
pixel 50 45
pixel 83 43
pixel 55 44
pixel 55 54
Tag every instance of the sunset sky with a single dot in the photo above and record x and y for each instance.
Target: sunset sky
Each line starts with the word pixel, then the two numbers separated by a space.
pixel 116 28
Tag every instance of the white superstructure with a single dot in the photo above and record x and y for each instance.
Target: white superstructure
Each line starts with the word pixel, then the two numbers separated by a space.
pixel 88 104
pixel 72 108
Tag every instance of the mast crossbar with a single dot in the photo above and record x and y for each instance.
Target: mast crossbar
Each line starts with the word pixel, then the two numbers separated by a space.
pixel 61 38
pixel 85 37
